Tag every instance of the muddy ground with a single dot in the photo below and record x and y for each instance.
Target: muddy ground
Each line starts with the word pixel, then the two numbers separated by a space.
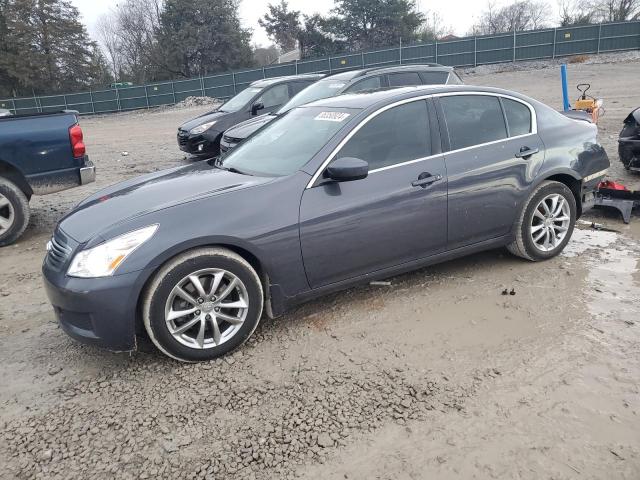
pixel 436 376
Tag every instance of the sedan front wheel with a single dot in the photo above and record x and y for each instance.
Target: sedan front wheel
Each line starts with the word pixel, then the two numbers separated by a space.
pixel 202 304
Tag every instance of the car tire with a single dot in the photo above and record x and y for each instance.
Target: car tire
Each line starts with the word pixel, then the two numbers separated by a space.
pixel 223 311
pixel 546 222
pixel 14 212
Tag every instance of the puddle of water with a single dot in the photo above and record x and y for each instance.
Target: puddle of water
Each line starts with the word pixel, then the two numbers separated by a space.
pixel 614 289
pixel 583 240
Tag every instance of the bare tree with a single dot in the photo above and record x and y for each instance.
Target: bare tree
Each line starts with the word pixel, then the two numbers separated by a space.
pixel 107 35
pixel 128 35
pixel 614 10
pixel 517 16
pixel 575 12
pixel 433 27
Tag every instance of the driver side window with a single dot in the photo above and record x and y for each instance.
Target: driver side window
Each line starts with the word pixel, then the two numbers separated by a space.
pixel 275 96
pixel 397 135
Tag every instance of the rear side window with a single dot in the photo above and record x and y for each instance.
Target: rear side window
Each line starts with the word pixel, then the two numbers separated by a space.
pixel 434 78
pixel 372 83
pixel 297 87
pixel 275 96
pixel 403 79
pixel 397 135
pixel 473 119
pixel 518 117
pixel 454 79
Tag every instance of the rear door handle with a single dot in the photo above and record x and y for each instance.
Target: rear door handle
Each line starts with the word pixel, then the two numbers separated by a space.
pixel 426 179
pixel 526 152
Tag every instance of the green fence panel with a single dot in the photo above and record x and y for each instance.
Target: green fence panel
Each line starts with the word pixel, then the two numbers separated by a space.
pixel 280 70
pixel 536 44
pixel 419 54
pixel 193 86
pixel 347 62
pixel 318 65
pixel 382 58
pixel 456 53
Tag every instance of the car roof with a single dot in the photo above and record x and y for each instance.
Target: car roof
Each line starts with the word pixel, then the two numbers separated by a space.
pixel 369 99
pixel 363 72
pixel 272 81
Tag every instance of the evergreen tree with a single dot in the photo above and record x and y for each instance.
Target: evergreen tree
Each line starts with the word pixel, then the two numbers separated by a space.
pixel 282 25
pixel 200 37
pixel 45 49
pixel 366 24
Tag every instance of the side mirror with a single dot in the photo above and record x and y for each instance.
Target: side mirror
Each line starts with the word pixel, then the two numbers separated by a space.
pixel 256 107
pixel 347 169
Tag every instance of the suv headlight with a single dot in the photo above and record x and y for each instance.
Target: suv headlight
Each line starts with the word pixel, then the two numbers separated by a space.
pixel 104 259
pixel 202 128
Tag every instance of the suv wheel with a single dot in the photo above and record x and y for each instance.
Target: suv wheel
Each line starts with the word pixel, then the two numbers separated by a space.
pixel 202 304
pixel 546 222
pixel 14 212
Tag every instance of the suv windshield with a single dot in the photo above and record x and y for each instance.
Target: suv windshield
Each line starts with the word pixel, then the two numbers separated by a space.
pixel 240 100
pixel 316 91
pixel 287 144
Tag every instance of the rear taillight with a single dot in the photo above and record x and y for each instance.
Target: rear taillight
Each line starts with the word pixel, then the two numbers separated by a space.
pixel 77 144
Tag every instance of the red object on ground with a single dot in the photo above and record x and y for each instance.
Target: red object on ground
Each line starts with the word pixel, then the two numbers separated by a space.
pixel 612 185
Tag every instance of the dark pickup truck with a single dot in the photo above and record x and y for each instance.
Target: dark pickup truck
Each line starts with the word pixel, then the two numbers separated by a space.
pixel 39 154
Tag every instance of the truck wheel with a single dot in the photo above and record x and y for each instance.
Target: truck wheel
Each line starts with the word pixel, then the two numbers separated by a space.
pixel 546 222
pixel 14 212
pixel 202 304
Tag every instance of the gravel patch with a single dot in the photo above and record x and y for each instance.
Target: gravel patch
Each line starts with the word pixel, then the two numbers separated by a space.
pixel 204 421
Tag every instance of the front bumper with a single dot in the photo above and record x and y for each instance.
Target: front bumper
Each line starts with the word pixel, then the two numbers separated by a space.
pixel 202 144
pixel 95 311
pixel 629 152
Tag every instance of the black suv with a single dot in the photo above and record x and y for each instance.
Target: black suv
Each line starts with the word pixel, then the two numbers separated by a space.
pixel 201 135
pixel 348 82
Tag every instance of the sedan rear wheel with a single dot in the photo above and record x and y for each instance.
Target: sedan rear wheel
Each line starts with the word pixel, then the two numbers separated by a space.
pixel 202 304
pixel 550 222
pixel 546 222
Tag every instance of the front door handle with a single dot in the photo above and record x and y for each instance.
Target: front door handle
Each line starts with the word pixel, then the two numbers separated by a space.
pixel 425 179
pixel 526 152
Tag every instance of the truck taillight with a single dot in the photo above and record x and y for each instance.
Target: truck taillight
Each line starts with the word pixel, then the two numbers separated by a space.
pixel 77 144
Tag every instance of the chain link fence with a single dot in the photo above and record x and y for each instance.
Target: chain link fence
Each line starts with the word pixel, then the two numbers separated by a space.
pixel 461 52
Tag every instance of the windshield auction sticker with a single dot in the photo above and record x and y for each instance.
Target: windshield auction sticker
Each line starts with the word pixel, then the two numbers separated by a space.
pixel 333 116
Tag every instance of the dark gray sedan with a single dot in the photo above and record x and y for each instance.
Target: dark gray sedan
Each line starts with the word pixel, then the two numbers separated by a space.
pixel 334 193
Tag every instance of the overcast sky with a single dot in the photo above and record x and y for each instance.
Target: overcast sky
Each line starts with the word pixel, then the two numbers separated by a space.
pixel 459 14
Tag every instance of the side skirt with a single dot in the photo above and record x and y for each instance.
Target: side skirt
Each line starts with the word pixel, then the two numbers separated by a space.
pixel 281 304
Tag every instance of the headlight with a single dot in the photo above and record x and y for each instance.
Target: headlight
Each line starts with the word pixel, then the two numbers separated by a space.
pixel 202 128
pixel 103 260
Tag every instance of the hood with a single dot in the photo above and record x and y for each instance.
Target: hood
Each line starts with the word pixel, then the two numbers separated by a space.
pixel 207 117
pixel 149 193
pixel 246 128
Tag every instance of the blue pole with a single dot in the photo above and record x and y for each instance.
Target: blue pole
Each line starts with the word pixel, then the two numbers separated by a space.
pixel 565 89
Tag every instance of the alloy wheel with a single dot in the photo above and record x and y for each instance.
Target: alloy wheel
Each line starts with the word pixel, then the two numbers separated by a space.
pixel 550 222
pixel 7 214
pixel 206 308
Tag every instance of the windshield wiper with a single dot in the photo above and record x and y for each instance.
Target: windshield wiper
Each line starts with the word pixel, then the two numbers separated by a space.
pixel 219 164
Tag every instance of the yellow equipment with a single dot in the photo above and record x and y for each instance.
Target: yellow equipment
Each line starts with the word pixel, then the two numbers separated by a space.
pixel 588 103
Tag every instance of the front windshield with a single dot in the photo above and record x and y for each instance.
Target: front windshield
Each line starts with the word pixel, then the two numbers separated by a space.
pixel 315 91
pixel 240 100
pixel 288 143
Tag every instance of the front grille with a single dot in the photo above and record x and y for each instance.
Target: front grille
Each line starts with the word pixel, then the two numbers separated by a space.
pixel 59 250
